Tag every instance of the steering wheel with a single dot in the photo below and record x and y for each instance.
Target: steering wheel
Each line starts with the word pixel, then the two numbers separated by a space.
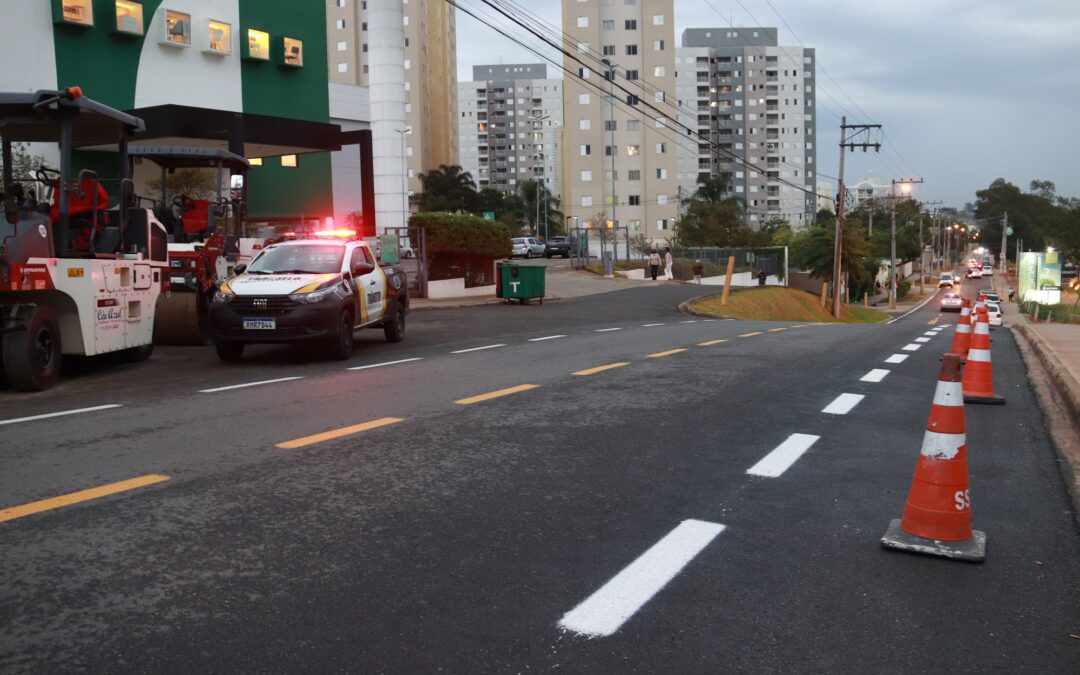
pixel 183 202
pixel 47 176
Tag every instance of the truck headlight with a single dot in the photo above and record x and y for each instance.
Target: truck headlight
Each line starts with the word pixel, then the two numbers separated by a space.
pixel 314 296
pixel 223 298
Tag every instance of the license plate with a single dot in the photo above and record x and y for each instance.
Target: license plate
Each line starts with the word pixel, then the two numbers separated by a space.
pixel 260 324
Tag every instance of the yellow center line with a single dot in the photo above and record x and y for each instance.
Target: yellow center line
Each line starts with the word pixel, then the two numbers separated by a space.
pixel 751 334
pixel 669 352
pixel 600 369
pixel 710 343
pixel 496 394
pixel 337 433
pixel 80 496
pixel 776 330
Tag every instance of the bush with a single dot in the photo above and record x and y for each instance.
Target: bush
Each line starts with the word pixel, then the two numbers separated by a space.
pixel 461 246
pixel 1060 313
pixel 903 289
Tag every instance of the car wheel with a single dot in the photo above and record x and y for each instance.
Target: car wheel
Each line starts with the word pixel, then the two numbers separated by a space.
pixel 342 346
pixel 32 356
pixel 394 328
pixel 229 351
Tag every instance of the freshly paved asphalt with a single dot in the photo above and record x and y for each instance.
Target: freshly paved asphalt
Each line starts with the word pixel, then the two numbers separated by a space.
pixel 457 539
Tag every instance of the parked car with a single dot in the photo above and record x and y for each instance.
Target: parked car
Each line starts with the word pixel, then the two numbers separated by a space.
pixel 526 247
pixel 946 280
pixel 951 302
pixel 993 312
pixel 564 246
pixel 988 270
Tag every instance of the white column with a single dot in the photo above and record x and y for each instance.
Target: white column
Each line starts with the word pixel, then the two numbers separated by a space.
pixel 386 79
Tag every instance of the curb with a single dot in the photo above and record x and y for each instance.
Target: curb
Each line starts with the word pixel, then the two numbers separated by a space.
pixel 464 304
pixel 1058 390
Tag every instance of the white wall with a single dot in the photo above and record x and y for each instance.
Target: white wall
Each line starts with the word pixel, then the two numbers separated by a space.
pixel 186 75
pixel 386 79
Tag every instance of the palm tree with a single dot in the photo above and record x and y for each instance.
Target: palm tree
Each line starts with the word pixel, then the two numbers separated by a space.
pixel 712 188
pixel 448 188
pixel 536 196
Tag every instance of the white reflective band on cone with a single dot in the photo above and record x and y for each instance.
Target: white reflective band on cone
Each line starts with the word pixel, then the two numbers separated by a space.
pixel 963 328
pixel 949 394
pixel 979 355
pixel 942 446
pixel 982 328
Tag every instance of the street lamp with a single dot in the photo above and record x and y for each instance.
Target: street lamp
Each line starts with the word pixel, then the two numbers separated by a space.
pixel 610 76
pixel 404 178
pixel 540 155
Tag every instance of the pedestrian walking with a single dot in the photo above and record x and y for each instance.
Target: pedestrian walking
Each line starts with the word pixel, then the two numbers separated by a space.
pixel 761 277
pixel 699 269
pixel 669 264
pixel 654 263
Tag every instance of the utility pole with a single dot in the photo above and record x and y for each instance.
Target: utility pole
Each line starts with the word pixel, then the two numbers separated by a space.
pixel 1005 243
pixel 849 143
pixel 922 253
pixel 906 183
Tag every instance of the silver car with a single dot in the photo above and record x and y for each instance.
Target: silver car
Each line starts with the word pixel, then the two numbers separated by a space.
pixel 526 247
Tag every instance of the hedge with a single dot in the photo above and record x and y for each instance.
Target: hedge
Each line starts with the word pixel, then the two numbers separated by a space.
pixel 462 234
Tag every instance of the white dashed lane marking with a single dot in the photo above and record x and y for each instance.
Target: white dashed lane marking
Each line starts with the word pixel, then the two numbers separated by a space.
pixel 477 349
pixel 606 330
pixel 897 358
pixel 875 375
pixel 843 404
pixel 650 325
pixel 549 337
pixel 922 340
pixel 386 363
pixel 249 384
pixel 59 414
pixel 606 610
pixel 912 348
pixel 787 453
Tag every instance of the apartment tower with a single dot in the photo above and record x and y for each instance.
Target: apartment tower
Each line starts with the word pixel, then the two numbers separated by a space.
pixel 619 150
pixel 752 104
pixel 430 73
pixel 509 118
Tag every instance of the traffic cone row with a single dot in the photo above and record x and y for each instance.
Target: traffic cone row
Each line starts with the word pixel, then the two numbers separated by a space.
pixel 962 337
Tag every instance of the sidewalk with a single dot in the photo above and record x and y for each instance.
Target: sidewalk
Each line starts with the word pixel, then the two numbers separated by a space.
pixel 1056 349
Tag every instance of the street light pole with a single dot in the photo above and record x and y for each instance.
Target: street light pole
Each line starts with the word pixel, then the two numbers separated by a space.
pixel 611 123
pixel 405 178
pixel 536 177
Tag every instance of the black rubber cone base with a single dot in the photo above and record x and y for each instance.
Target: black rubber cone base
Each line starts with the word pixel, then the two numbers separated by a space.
pixel 992 400
pixel 971 550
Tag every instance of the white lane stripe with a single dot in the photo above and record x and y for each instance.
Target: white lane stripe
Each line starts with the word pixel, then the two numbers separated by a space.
pixel 650 325
pixel 59 414
pixel 478 349
pixel 388 363
pixel 690 321
pixel 787 453
pixel 549 337
pixel 911 348
pixel 922 340
pixel 606 330
pixel 875 375
pixel 843 404
pixel 249 384
pixel 917 307
pixel 930 333
pixel 897 358
pixel 606 610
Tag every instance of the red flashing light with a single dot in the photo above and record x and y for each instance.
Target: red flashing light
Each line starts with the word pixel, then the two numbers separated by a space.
pixel 73 93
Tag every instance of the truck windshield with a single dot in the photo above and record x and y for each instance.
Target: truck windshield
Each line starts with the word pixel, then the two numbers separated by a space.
pixel 302 259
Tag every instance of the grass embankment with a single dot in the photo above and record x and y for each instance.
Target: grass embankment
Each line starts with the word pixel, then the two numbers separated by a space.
pixel 774 303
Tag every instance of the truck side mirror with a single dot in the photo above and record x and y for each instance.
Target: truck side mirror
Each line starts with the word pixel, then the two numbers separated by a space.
pixel 239 269
pixel 362 268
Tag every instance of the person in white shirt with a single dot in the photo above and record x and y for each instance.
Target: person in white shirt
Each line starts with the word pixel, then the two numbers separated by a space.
pixel 669 264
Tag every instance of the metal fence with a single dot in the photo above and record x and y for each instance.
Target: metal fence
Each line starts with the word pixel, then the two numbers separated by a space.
pixel 771 259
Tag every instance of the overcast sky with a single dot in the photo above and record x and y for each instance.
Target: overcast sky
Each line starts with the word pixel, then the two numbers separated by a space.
pixel 967 90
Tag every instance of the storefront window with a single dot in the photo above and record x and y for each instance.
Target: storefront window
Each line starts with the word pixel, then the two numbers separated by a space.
pixel 177 28
pixel 129 17
pixel 258 45
pixel 220 35
pixel 294 52
pixel 78 12
pixel 288 161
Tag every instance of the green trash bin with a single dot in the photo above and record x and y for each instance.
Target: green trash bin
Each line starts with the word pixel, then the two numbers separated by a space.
pixel 521 282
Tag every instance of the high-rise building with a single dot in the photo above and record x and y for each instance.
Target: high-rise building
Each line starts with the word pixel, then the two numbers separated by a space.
pixel 509 117
pixel 619 141
pixel 430 73
pixel 752 102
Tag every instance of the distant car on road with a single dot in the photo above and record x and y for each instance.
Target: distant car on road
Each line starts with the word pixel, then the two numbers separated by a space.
pixel 993 312
pixel 992 296
pixel 951 302
pixel 946 280
pixel 988 270
pixel 526 247
pixel 563 246
pixel 974 273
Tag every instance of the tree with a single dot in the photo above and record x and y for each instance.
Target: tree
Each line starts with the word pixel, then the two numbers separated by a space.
pixel 711 188
pixel 812 250
pixel 193 183
pixel 23 164
pixel 536 197
pixel 448 188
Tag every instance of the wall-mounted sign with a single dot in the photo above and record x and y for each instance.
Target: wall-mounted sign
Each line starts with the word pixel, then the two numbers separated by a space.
pixel 177 29
pixel 257 45
pixel 218 38
pixel 74 12
pixel 129 17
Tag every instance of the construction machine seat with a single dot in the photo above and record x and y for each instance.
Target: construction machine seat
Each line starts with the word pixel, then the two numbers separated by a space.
pixel 81 205
pixel 197 220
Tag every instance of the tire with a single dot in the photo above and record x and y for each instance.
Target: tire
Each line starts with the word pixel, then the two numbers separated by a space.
pixel 229 351
pixel 32 356
pixel 341 346
pixel 138 354
pixel 394 329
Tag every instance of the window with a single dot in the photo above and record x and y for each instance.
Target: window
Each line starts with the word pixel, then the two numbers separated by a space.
pixel 582 47
pixel 662 223
pixel 339 24
pixel 583 73
pixel 584 125
pixel 658 19
pixel 633 125
pixel 661 174
pixel 658 45
pixel 609 75
pixel 342 45
pixel 608 24
pixel 631 24
pixel 258 45
pixel 609 50
pixel 177 28
pixel 585 150
pixel 341 3
pixel 659 96
pixel 289 161
pixel 633 150
pixel 255 161
pixel 658 71
pixel 661 148
pixel 631 50
pixel 129 17
pixel 661 199
pixel 583 22
pixel 586 200
pixel 586 176
pixel 583 99
pixel 631 74
pixel 220 37
pixel 632 99
pixel 635 200
pixel 363 26
pixel 633 174
pixel 343 67
pixel 611 125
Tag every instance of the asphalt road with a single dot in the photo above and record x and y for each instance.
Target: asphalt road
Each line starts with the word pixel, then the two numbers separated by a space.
pixel 601 522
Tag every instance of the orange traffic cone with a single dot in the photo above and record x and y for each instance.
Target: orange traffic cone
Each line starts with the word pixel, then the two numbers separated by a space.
pixel 937 514
pixel 962 337
pixel 978 373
